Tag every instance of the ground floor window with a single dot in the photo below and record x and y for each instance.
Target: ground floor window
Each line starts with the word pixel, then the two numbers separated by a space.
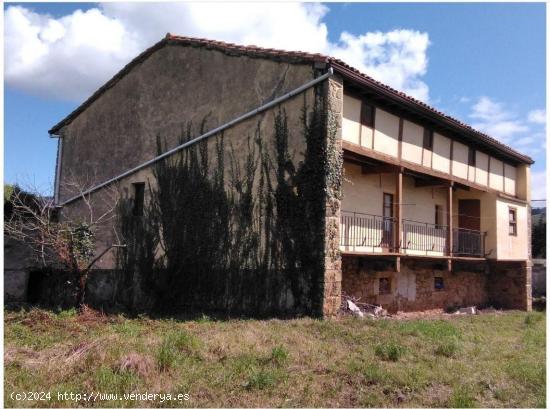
pixel 438 283
pixel 384 286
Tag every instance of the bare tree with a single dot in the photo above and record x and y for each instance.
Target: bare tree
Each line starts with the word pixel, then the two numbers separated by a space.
pixel 62 241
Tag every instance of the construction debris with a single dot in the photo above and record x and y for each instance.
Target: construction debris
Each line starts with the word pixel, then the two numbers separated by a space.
pixel 355 309
pixel 352 306
pixel 467 311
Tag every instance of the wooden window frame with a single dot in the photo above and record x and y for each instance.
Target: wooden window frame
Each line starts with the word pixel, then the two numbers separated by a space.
pixel 139 198
pixel 367 115
pixel 512 222
pixel 471 157
pixel 428 139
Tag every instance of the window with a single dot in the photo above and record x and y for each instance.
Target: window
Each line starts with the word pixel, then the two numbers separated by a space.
pixel 428 139
pixel 384 286
pixel 438 216
pixel 387 210
pixel 367 115
pixel 439 284
pixel 512 222
pixel 471 156
pixel 139 194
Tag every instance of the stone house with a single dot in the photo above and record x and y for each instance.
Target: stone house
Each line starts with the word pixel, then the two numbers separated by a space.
pixel 269 182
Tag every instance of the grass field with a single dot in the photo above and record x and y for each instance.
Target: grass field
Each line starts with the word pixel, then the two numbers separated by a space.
pixel 467 361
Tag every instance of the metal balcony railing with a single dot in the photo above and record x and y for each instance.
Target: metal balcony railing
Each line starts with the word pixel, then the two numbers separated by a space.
pixel 424 237
pixel 362 232
pixel 468 243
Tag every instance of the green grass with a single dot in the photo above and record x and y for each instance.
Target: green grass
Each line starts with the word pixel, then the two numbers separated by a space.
pixel 389 351
pixel 466 361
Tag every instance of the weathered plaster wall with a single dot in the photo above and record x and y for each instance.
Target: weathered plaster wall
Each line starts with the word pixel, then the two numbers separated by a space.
pixel 175 86
pixel 364 194
pixel 239 221
pixel 512 247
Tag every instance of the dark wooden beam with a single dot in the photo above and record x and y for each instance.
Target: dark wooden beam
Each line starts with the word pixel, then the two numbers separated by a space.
pixel 432 183
pixel 382 168
pixel 369 153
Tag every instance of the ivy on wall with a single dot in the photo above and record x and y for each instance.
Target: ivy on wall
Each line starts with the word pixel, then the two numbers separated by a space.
pixel 242 232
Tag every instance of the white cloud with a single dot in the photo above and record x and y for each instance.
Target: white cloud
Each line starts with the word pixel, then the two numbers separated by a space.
pixel 71 56
pixel 527 134
pixel 537 116
pixel 538 185
pixel 65 58
pixel 492 118
pixel 397 57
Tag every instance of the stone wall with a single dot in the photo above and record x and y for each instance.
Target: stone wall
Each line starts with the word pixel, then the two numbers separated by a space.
pixel 499 284
pixel 510 285
pixel 333 266
pixel 414 287
pixel 18 261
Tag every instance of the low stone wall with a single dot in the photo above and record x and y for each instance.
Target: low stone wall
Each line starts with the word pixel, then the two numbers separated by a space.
pixel 414 287
pixel 422 285
pixel 18 260
pixel 510 285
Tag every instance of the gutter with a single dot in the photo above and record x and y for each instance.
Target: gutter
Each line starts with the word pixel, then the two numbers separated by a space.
pixel 392 95
pixel 200 138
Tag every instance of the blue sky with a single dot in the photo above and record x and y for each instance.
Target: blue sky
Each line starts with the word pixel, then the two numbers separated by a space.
pixel 482 63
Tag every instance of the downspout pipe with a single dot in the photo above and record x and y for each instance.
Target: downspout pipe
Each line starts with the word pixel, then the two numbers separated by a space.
pixel 202 137
pixel 58 170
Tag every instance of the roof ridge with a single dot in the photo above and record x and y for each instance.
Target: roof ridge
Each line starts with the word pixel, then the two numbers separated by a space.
pixel 273 52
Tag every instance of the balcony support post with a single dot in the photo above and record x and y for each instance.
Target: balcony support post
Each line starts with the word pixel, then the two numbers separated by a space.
pixel 398 216
pixel 450 225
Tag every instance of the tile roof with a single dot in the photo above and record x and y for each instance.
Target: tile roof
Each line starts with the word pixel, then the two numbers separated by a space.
pixel 295 57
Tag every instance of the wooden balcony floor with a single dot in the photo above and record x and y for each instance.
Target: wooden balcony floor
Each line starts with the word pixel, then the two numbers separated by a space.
pixel 409 256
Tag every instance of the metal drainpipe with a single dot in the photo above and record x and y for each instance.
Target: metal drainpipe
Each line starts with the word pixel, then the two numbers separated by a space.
pixel 206 135
pixel 58 169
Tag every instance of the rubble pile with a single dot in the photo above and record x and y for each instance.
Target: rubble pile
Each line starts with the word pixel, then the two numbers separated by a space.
pixel 353 306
